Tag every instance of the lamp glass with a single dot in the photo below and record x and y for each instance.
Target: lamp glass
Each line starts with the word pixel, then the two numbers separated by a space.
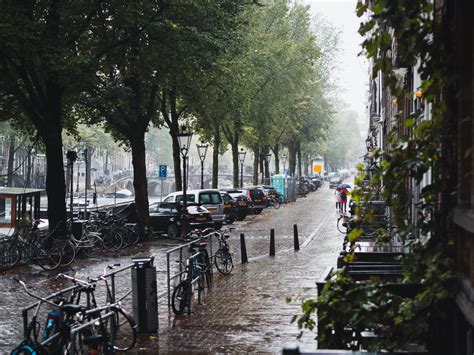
pixel 202 149
pixel 242 154
pixel 184 140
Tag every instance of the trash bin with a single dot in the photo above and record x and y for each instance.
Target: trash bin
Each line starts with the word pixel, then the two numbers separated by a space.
pixel 144 294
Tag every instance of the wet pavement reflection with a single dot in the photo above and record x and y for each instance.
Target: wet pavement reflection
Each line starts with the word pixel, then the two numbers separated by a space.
pixel 243 312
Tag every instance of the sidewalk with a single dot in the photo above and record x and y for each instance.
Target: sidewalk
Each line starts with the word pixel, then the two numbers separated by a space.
pixel 246 311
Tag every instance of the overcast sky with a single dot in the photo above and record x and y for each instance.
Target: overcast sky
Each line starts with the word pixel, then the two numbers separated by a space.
pixel 352 73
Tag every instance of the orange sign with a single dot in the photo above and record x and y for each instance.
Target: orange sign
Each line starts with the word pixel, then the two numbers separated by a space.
pixel 317 169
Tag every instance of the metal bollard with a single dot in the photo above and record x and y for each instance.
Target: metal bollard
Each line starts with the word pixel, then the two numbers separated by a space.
pixel 272 242
pixel 296 239
pixel 243 249
pixel 144 294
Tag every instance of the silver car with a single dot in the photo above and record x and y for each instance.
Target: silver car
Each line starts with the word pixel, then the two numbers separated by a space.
pixel 209 198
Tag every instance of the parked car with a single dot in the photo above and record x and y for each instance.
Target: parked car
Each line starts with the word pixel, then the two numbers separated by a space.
pixel 334 182
pixel 230 207
pixel 258 198
pixel 167 217
pixel 244 204
pixel 270 191
pixel 209 198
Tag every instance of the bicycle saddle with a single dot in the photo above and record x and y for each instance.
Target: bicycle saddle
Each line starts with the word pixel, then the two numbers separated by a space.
pixel 200 245
pixel 72 308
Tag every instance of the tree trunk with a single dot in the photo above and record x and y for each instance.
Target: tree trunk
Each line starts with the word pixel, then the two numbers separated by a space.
pixel 106 166
pixel 292 158
pixel 215 157
pixel 28 168
pixel 90 151
pixel 275 150
pixel 176 162
pixel 256 157
pixel 172 120
pixel 55 183
pixel 11 159
pixel 262 164
pixel 140 183
pixel 235 161
pixel 298 152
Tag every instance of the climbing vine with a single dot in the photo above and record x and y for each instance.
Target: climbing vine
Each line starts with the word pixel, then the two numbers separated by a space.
pixel 401 33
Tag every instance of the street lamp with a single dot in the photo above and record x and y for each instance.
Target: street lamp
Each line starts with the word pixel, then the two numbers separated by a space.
pixel 242 154
pixel 268 157
pixel 71 156
pixel 284 158
pixel 202 150
pixel 184 141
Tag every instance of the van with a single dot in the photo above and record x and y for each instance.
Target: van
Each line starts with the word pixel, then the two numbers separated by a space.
pixel 209 198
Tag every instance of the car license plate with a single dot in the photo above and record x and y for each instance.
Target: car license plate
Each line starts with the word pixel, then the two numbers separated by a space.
pixel 211 209
pixel 227 206
pixel 258 200
pixel 242 203
pixel 200 219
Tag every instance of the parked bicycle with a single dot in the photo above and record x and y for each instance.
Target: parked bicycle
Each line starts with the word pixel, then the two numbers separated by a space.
pixel 342 223
pixel 61 323
pixel 273 202
pixel 223 256
pixel 29 245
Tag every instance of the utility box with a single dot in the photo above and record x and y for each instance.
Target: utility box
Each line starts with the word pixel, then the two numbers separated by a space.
pixel 285 186
pixel 144 294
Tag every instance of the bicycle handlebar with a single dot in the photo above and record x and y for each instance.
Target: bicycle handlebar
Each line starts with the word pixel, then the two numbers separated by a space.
pixel 79 281
pixel 32 294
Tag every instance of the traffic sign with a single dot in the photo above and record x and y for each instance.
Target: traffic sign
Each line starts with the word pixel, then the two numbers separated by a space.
pixel 163 171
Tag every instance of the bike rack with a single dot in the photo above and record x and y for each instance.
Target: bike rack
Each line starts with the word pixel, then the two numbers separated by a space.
pixel 77 329
pixel 24 311
pixel 190 258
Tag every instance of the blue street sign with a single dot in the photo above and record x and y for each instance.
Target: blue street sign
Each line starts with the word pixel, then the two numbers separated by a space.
pixel 163 171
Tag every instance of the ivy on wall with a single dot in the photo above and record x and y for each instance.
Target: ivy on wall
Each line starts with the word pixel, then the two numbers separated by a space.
pixel 347 307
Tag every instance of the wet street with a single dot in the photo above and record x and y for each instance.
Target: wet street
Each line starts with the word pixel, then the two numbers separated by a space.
pixel 243 312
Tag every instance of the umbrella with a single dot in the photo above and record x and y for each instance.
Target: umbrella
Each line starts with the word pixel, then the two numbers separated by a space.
pixel 344 186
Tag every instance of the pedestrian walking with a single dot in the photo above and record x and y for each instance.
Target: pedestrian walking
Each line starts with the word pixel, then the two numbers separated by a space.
pixel 343 192
pixel 337 195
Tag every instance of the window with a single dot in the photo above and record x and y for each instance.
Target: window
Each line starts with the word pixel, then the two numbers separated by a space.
pixel 189 198
pixel 210 198
pixel 169 199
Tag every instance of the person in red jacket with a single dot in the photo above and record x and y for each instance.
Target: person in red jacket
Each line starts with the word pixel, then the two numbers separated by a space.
pixel 343 199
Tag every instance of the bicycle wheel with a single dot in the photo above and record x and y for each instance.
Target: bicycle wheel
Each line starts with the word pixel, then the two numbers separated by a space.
pixel 10 254
pixel 69 253
pixel 340 225
pixel 26 349
pixel 48 258
pixel 276 203
pixel 125 330
pixel 92 245
pixel 223 261
pixel 181 298
pixel 112 240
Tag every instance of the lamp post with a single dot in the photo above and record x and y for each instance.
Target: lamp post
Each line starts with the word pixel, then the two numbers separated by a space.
pixel 242 154
pixel 268 157
pixel 184 140
pixel 71 156
pixel 202 151
pixel 284 159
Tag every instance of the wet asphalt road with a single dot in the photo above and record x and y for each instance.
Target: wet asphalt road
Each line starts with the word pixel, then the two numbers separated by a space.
pixel 243 312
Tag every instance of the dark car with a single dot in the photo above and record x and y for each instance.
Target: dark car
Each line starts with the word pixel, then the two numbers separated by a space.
pixel 259 200
pixel 230 207
pixel 270 191
pixel 167 217
pixel 244 204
